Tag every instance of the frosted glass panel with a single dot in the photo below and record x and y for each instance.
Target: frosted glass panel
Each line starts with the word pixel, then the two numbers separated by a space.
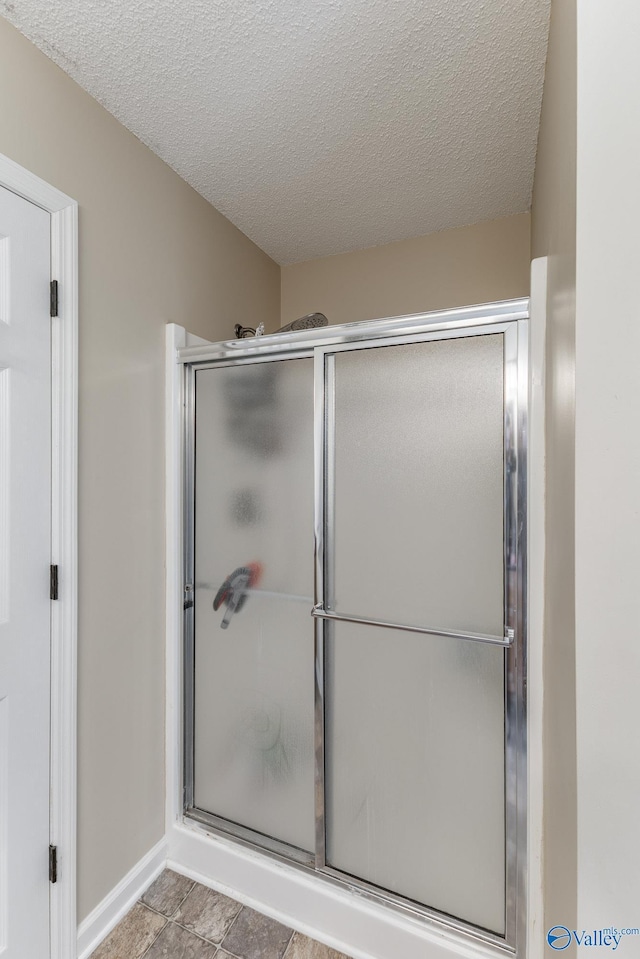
pixel 415 768
pixel 419 483
pixel 254 654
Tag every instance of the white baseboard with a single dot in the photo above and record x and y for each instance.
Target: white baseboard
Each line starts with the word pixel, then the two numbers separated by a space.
pixel 333 915
pixel 119 901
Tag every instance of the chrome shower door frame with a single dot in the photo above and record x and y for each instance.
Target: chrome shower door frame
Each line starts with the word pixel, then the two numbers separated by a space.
pixel 215 824
pixel 509 318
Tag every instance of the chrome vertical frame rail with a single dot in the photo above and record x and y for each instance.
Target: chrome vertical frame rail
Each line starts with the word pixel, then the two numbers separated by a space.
pixel 325 518
pixel 519 705
pixel 514 544
pixel 320 415
pixel 188 665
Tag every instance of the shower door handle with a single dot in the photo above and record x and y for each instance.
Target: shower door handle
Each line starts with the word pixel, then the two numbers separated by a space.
pixel 319 612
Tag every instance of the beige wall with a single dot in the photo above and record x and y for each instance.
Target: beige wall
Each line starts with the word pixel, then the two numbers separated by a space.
pixel 151 251
pixel 554 235
pixel 472 264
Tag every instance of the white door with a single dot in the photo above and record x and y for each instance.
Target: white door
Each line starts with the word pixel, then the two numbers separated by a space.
pixel 25 533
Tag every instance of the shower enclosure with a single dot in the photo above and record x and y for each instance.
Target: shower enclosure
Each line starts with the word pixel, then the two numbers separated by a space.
pixel 354 593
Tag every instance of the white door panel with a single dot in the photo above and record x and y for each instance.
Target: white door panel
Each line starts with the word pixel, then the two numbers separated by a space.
pixel 25 505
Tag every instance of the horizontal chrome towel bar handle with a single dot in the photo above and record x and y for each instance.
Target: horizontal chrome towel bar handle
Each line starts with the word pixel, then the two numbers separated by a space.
pixel 507 640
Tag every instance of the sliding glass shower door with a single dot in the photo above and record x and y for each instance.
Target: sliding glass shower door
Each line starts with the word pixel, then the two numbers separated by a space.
pixel 354 593
pixel 253 676
pixel 414 722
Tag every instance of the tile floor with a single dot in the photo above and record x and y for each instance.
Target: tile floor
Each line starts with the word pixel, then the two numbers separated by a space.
pixel 177 918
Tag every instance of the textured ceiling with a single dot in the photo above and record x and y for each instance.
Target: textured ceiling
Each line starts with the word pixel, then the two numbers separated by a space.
pixel 319 126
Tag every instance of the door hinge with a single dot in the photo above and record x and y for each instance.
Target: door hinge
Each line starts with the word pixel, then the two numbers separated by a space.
pixel 53 582
pixel 53 863
pixel 53 300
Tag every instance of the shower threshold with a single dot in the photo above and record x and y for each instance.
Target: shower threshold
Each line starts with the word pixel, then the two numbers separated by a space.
pixel 304 861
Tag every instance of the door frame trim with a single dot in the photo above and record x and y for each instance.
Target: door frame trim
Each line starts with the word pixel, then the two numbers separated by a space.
pixel 64 548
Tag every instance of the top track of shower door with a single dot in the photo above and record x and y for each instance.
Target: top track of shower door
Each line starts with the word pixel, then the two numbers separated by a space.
pixel 329 347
